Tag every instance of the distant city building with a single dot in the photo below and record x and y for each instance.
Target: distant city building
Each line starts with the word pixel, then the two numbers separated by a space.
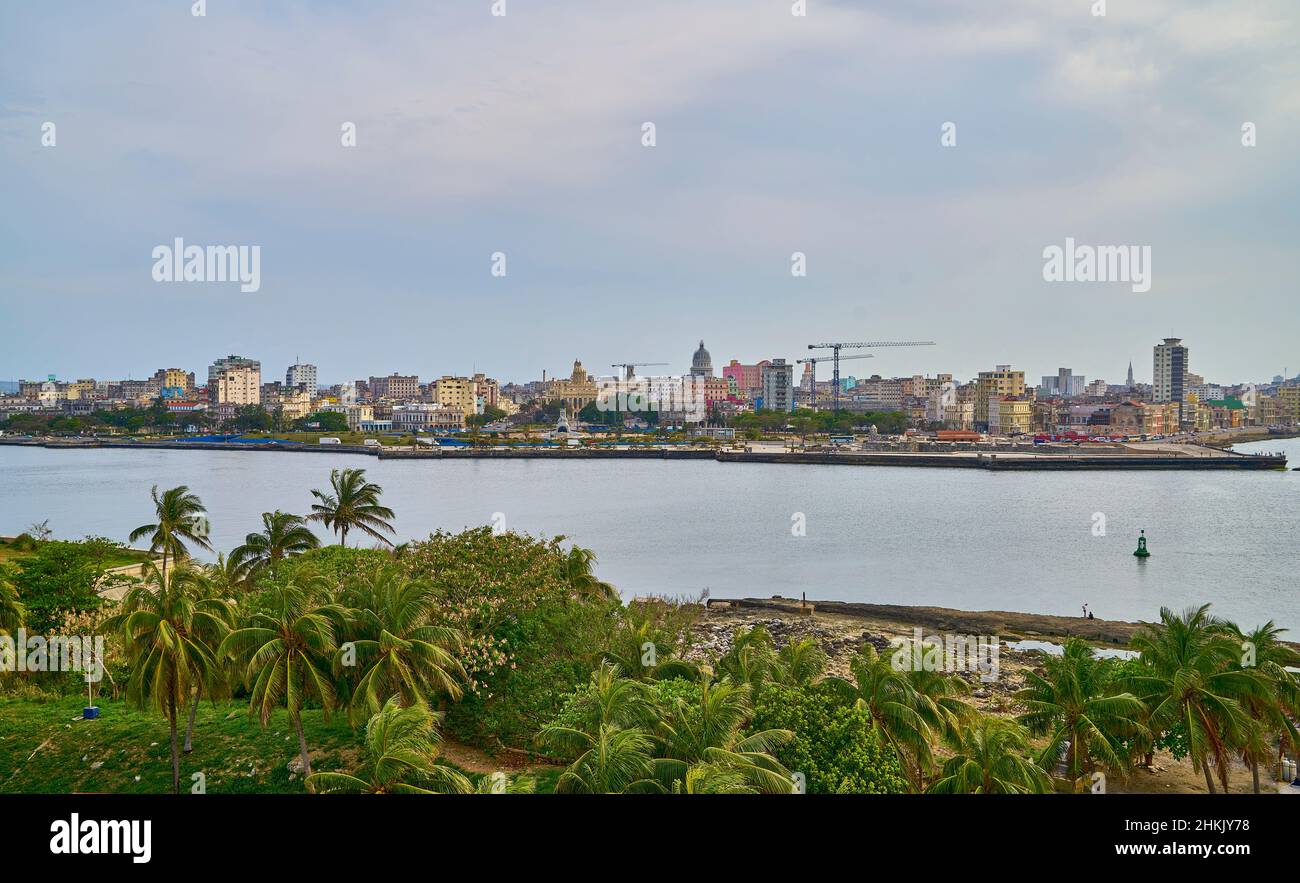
pixel 747 379
pixel 399 387
pixel 1129 380
pixel 1170 361
pixel 235 380
pixel 576 393
pixel 301 375
pixel 996 384
pixel 778 386
pixel 701 363
pixel 1064 384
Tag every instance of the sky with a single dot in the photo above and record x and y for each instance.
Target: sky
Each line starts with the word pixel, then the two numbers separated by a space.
pixel 523 134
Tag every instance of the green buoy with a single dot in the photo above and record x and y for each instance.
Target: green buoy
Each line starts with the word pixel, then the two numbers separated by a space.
pixel 1142 546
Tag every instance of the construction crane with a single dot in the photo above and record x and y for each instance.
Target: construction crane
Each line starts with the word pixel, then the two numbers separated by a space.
pixel 629 368
pixel 812 372
pixel 865 345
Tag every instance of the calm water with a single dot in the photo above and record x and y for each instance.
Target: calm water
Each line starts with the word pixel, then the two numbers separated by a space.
pixel 957 538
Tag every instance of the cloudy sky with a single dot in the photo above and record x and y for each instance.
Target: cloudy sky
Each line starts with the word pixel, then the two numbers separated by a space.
pixel 522 134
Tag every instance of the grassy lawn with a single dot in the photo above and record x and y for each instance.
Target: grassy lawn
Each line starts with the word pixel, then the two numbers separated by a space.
pixel 115 558
pixel 46 747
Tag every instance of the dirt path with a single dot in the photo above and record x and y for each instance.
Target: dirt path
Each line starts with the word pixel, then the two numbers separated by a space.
pixel 475 760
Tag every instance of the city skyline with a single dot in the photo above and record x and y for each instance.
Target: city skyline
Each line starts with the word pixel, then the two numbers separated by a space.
pixel 776 135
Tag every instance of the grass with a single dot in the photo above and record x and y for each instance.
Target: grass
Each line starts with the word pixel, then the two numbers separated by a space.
pixel 46 748
pixel 115 558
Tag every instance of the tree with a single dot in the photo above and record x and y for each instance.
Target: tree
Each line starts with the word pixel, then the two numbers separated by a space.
pixel 401 749
pixel 991 759
pixel 57 579
pixel 1075 700
pixel 282 535
pixel 286 655
pixel 12 611
pixel 1193 679
pixel 801 662
pixel 181 520
pixel 326 421
pixel 578 571
pixel 216 622
pixel 611 760
pixel 710 734
pixel 398 649
pixel 1279 707
pixel 162 625
pixel 353 505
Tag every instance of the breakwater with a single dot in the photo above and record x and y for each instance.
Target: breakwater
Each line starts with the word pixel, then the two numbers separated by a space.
pixel 990 462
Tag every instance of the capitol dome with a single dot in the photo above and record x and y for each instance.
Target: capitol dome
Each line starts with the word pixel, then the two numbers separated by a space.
pixel 701 363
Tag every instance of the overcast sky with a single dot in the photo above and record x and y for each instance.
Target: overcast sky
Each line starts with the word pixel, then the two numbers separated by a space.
pixel 523 134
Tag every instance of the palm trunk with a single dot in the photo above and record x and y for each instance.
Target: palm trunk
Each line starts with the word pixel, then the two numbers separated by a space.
pixel 302 746
pixel 1209 779
pixel 189 730
pixel 1254 773
pixel 171 720
pixel 343 533
pixel 164 569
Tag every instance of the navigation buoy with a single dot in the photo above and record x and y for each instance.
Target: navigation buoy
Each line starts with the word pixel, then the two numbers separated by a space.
pixel 1142 546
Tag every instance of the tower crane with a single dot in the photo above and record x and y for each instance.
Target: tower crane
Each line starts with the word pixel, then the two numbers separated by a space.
pixel 865 345
pixel 812 372
pixel 629 371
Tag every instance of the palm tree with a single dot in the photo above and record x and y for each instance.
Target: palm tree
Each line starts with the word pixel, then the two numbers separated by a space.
pixel 353 505
pixel 1075 700
pixel 401 749
pixel 162 626
pixel 286 654
pixel 211 628
pixel 711 734
pixel 801 662
pixel 398 649
pixel 610 761
pixel 908 719
pixel 991 759
pixel 12 611
pixel 1193 679
pixel 1277 710
pixel 282 535
pixel 752 658
pixel 180 520
pixel 578 570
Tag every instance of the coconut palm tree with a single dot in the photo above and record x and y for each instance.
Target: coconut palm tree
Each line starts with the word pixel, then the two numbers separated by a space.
pixel 1193 678
pixel 163 626
pixel 352 504
pixel 752 658
pixel 612 760
pixel 711 733
pixel 908 719
pixel 991 758
pixel 397 648
pixel 1075 700
pixel 578 570
pixel 801 662
pixel 12 611
pixel 219 619
pixel 401 750
pixel 180 520
pixel 1277 710
pixel 286 654
pixel 283 535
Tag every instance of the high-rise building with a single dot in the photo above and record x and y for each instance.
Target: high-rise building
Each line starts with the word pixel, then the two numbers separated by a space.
pixel 1169 383
pixel 235 380
pixel 778 386
pixel 748 379
pixel 1064 384
pixel 995 384
pixel 301 375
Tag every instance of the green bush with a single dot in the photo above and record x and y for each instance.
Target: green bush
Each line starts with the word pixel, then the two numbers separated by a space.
pixel 835 746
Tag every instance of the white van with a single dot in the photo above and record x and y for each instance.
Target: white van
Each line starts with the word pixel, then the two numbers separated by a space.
pixel 371 443
pixel 326 440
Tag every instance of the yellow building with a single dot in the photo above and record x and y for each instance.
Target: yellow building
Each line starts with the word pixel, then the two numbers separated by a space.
pixel 996 384
pixel 456 392
pixel 81 389
pixel 1288 403
pixel 1010 416
pixel 576 393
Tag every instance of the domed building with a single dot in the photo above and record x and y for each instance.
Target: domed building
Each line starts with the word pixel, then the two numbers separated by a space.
pixel 701 363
